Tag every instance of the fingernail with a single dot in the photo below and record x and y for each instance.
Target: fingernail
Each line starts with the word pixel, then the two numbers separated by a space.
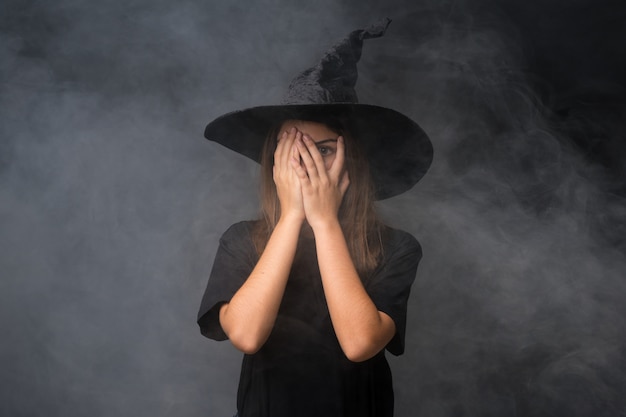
pixel 307 137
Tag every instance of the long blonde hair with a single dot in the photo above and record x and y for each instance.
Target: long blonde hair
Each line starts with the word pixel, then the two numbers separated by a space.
pixel 361 226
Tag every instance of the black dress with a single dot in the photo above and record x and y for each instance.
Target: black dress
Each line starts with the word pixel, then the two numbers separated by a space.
pixel 301 370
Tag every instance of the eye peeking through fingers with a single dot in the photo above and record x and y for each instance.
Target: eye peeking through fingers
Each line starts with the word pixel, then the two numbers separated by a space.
pixel 326 150
pixel 327 147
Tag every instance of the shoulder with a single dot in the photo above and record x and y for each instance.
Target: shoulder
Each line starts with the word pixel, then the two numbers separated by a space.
pixel 239 229
pixel 238 237
pixel 399 241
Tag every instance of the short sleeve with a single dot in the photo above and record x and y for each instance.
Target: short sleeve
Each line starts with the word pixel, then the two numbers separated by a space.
pixel 390 285
pixel 234 261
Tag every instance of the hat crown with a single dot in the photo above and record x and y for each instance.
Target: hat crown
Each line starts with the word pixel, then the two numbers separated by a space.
pixel 333 79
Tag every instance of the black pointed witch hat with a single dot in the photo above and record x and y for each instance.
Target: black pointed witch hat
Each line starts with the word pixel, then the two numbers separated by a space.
pixel 398 150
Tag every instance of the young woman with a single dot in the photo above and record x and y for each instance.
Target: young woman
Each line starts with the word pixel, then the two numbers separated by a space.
pixel 315 291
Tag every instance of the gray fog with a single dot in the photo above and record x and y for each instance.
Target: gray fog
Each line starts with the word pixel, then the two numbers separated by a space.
pixel 112 202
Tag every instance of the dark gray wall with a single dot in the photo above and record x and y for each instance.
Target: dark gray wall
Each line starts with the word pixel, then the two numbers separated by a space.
pixel 111 202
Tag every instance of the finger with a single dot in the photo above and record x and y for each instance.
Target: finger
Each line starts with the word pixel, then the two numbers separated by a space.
pixel 281 136
pixel 295 158
pixel 280 141
pixel 307 159
pixel 315 154
pixel 299 171
pixel 283 148
pixel 280 147
pixel 337 166
pixel 296 153
pixel 293 136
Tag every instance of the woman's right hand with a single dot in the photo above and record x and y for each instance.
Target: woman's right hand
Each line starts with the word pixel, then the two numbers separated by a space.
pixel 286 180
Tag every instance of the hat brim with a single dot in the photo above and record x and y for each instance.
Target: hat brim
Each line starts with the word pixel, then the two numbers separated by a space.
pixel 398 150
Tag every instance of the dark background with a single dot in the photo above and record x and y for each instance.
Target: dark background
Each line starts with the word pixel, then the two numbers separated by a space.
pixel 112 203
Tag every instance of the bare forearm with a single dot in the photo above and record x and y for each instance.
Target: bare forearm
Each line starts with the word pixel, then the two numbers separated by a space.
pixel 361 329
pixel 249 317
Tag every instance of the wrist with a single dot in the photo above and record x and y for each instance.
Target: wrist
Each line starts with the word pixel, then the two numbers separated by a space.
pixel 292 219
pixel 325 225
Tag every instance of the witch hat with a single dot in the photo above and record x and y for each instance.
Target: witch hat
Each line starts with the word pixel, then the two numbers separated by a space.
pixel 398 150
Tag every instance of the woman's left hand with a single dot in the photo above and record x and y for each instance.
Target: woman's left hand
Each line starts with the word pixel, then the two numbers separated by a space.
pixel 322 189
